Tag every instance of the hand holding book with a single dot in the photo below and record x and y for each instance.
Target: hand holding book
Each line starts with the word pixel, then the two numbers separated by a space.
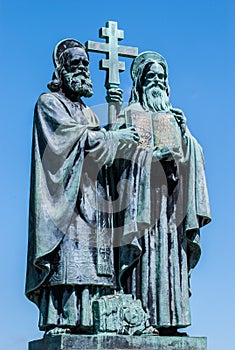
pixel 164 153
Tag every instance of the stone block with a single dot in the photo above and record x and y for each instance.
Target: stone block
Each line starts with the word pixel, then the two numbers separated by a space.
pixel 117 342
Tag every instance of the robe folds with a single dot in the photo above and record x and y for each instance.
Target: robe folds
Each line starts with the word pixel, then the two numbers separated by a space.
pixel 160 225
pixel 67 156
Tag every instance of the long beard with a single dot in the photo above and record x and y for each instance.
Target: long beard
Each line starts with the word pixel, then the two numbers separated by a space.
pixel 79 83
pixel 156 99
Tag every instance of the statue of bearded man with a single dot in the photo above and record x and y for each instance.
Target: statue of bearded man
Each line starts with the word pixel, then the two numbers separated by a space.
pixel 70 255
pixel 168 200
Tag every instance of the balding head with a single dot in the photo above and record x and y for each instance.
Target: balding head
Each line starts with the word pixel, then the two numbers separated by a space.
pixel 72 76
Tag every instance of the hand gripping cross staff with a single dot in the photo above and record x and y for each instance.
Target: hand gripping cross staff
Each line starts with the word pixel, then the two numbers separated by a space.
pixel 111 64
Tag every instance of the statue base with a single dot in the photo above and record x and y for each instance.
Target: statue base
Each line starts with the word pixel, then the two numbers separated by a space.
pixel 117 342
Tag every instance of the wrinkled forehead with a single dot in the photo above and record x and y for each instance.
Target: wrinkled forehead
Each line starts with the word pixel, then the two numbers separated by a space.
pixel 155 67
pixel 75 53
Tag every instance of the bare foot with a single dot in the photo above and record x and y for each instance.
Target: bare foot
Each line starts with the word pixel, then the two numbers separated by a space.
pixel 151 331
pixel 58 330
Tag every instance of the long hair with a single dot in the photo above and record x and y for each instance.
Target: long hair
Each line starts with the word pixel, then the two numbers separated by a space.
pixel 55 84
pixel 138 80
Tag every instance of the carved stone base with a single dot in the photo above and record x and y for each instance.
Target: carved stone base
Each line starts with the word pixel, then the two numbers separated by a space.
pixel 117 342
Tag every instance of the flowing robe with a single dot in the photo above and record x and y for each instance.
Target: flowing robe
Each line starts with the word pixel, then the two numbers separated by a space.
pixel 160 226
pixel 70 244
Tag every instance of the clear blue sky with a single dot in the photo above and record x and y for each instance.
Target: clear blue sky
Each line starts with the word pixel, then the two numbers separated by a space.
pixel 197 39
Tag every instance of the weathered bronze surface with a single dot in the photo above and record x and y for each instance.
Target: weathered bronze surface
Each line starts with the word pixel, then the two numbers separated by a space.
pixel 115 213
pixel 70 247
pixel 111 64
pixel 172 187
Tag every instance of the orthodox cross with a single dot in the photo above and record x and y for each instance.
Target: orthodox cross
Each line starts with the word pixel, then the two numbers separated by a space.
pixel 105 252
pixel 111 64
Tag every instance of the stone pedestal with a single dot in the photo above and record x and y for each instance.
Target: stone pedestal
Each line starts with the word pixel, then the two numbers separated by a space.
pixel 117 342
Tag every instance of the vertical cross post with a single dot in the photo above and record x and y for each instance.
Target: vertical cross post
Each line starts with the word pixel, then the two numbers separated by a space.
pixel 111 64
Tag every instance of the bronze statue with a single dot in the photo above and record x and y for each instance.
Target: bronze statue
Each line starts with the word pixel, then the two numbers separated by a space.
pixel 170 201
pixel 70 255
pixel 115 212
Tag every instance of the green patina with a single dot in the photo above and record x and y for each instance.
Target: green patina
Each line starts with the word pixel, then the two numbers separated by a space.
pixel 111 48
pixel 111 64
pixel 138 187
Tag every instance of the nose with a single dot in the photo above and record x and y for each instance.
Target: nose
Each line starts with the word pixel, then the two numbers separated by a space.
pixel 81 66
pixel 156 79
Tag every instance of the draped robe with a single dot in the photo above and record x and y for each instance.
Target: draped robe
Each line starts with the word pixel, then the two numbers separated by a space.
pixel 70 246
pixel 160 227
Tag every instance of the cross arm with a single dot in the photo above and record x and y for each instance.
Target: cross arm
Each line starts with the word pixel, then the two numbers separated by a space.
pixel 128 51
pixel 97 47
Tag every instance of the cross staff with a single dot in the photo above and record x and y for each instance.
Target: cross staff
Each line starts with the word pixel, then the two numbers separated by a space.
pixel 111 64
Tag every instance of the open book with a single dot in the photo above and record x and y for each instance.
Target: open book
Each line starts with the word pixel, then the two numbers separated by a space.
pixel 156 129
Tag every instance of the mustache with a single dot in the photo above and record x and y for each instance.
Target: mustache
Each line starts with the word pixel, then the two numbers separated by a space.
pixel 81 73
pixel 156 84
pixel 83 78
